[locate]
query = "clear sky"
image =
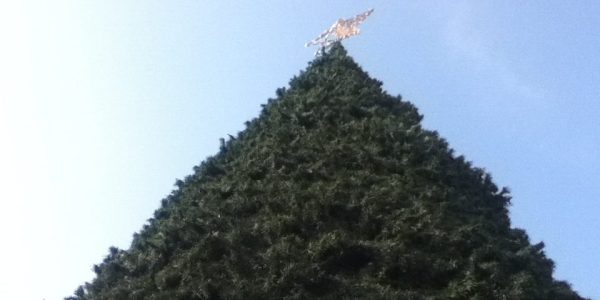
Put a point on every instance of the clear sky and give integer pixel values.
(103, 104)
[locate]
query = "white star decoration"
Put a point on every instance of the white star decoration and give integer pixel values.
(340, 30)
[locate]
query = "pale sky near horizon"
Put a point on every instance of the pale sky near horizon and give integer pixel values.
(104, 104)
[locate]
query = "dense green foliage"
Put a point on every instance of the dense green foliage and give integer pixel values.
(335, 191)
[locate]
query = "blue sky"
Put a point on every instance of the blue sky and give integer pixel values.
(104, 104)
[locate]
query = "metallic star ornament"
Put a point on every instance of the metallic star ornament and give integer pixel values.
(340, 30)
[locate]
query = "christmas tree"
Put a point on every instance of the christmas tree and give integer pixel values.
(335, 191)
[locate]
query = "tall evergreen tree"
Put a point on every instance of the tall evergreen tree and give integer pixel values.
(335, 191)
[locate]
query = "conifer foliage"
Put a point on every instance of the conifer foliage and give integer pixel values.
(334, 192)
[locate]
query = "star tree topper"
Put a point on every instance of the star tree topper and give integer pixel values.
(340, 30)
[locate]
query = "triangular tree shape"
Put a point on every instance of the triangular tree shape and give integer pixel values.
(335, 191)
